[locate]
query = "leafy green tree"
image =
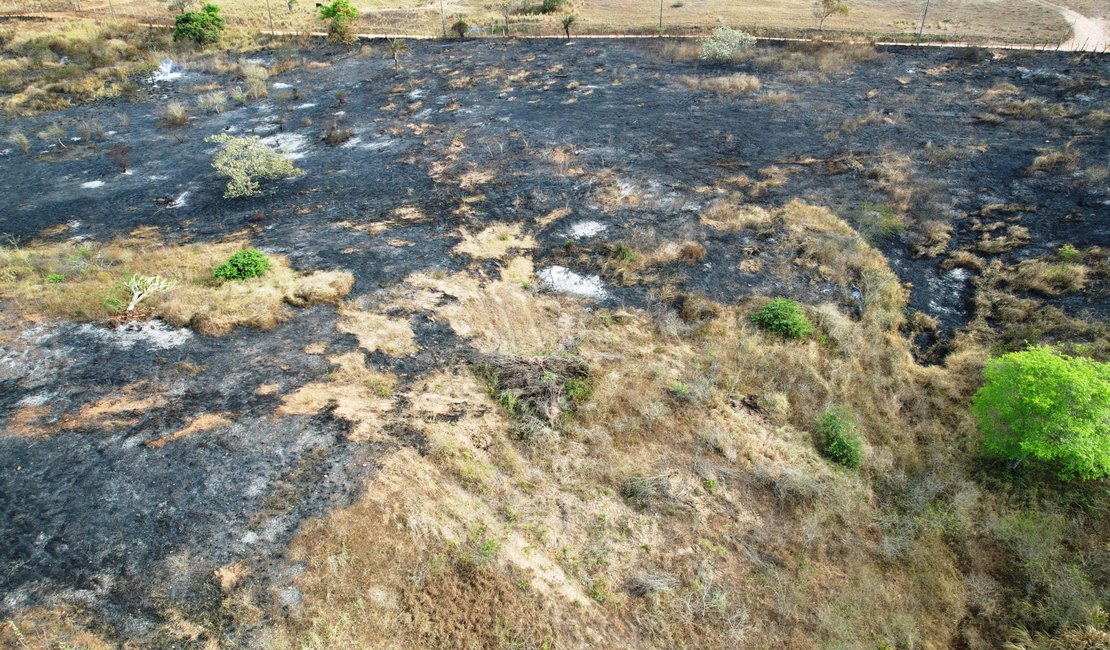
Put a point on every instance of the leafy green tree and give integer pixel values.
(1042, 405)
(837, 439)
(202, 27)
(822, 9)
(342, 14)
(566, 22)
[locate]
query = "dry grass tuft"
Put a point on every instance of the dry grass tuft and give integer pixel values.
(728, 216)
(734, 84)
(1048, 278)
(1055, 160)
(495, 242)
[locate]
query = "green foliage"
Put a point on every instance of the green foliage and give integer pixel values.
(822, 9)
(679, 390)
(878, 221)
(341, 13)
(567, 22)
(725, 44)
(459, 27)
(577, 390)
(247, 263)
(1069, 253)
(783, 316)
(625, 252)
(55, 278)
(1049, 407)
(244, 160)
(202, 27)
(837, 439)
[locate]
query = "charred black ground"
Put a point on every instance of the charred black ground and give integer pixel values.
(94, 516)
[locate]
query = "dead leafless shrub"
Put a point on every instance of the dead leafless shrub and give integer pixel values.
(652, 491)
(648, 584)
(335, 134)
(540, 387)
(120, 155)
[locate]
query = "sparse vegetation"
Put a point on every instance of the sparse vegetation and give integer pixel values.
(726, 44)
(246, 160)
(785, 317)
(175, 114)
(1043, 406)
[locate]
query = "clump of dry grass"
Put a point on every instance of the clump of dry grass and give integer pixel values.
(175, 114)
(352, 392)
(730, 216)
(94, 274)
(1013, 237)
(495, 241)
(1048, 278)
(214, 102)
(1053, 160)
(931, 239)
(734, 84)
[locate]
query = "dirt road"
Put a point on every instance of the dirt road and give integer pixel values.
(1088, 34)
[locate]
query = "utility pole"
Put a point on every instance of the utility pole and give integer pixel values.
(111, 8)
(921, 28)
(443, 19)
(660, 16)
(268, 13)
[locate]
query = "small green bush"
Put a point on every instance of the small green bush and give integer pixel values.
(341, 13)
(202, 27)
(55, 278)
(783, 316)
(1069, 253)
(725, 44)
(837, 439)
(1041, 405)
(247, 263)
(244, 160)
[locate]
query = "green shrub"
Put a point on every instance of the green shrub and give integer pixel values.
(1069, 253)
(783, 316)
(201, 27)
(247, 263)
(1049, 407)
(55, 278)
(244, 160)
(341, 13)
(837, 439)
(725, 44)
(459, 27)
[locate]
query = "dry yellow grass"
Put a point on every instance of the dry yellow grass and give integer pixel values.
(733, 84)
(393, 336)
(203, 422)
(495, 241)
(353, 392)
(94, 274)
(1048, 278)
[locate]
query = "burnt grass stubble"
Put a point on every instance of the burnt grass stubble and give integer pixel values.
(92, 518)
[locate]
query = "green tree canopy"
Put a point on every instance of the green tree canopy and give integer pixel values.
(1040, 404)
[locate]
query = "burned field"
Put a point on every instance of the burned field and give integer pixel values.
(202, 479)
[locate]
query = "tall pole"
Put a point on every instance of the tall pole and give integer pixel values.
(111, 8)
(660, 15)
(443, 19)
(921, 28)
(268, 13)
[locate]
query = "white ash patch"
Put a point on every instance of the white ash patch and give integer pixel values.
(304, 106)
(379, 143)
(586, 229)
(562, 280)
(153, 335)
(37, 399)
(157, 177)
(279, 85)
(167, 71)
(290, 145)
(180, 200)
(92, 185)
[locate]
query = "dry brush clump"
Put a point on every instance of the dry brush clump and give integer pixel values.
(94, 275)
